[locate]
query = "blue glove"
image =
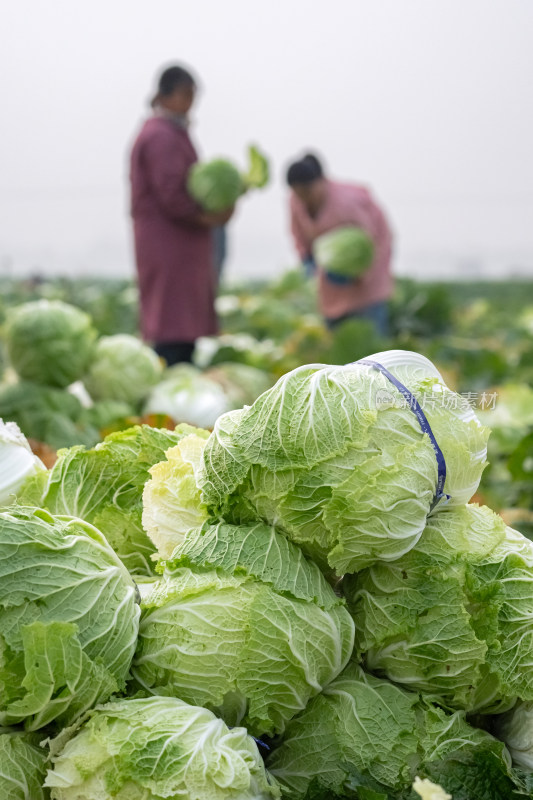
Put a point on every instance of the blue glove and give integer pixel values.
(340, 280)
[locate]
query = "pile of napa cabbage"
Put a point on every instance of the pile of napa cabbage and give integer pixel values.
(312, 573)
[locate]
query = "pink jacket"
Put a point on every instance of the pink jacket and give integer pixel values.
(174, 255)
(346, 204)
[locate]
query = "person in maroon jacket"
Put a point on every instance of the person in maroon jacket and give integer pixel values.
(172, 235)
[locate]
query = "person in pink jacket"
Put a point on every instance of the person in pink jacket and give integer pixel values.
(174, 250)
(319, 205)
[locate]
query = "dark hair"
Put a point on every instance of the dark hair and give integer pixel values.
(307, 170)
(173, 78)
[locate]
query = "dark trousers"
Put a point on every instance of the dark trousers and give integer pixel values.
(174, 352)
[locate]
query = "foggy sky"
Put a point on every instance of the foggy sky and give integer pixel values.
(427, 101)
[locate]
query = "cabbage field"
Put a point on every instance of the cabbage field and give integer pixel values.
(301, 567)
(479, 335)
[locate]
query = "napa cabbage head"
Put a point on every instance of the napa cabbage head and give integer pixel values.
(452, 617)
(216, 185)
(47, 414)
(242, 623)
(366, 737)
(22, 766)
(185, 395)
(148, 749)
(172, 505)
(123, 369)
(17, 462)
(50, 342)
(68, 618)
(347, 251)
(516, 729)
(104, 486)
(336, 459)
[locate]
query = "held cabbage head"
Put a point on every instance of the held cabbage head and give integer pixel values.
(453, 617)
(337, 460)
(346, 252)
(22, 766)
(104, 486)
(216, 185)
(242, 623)
(123, 369)
(68, 619)
(365, 737)
(149, 749)
(50, 342)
